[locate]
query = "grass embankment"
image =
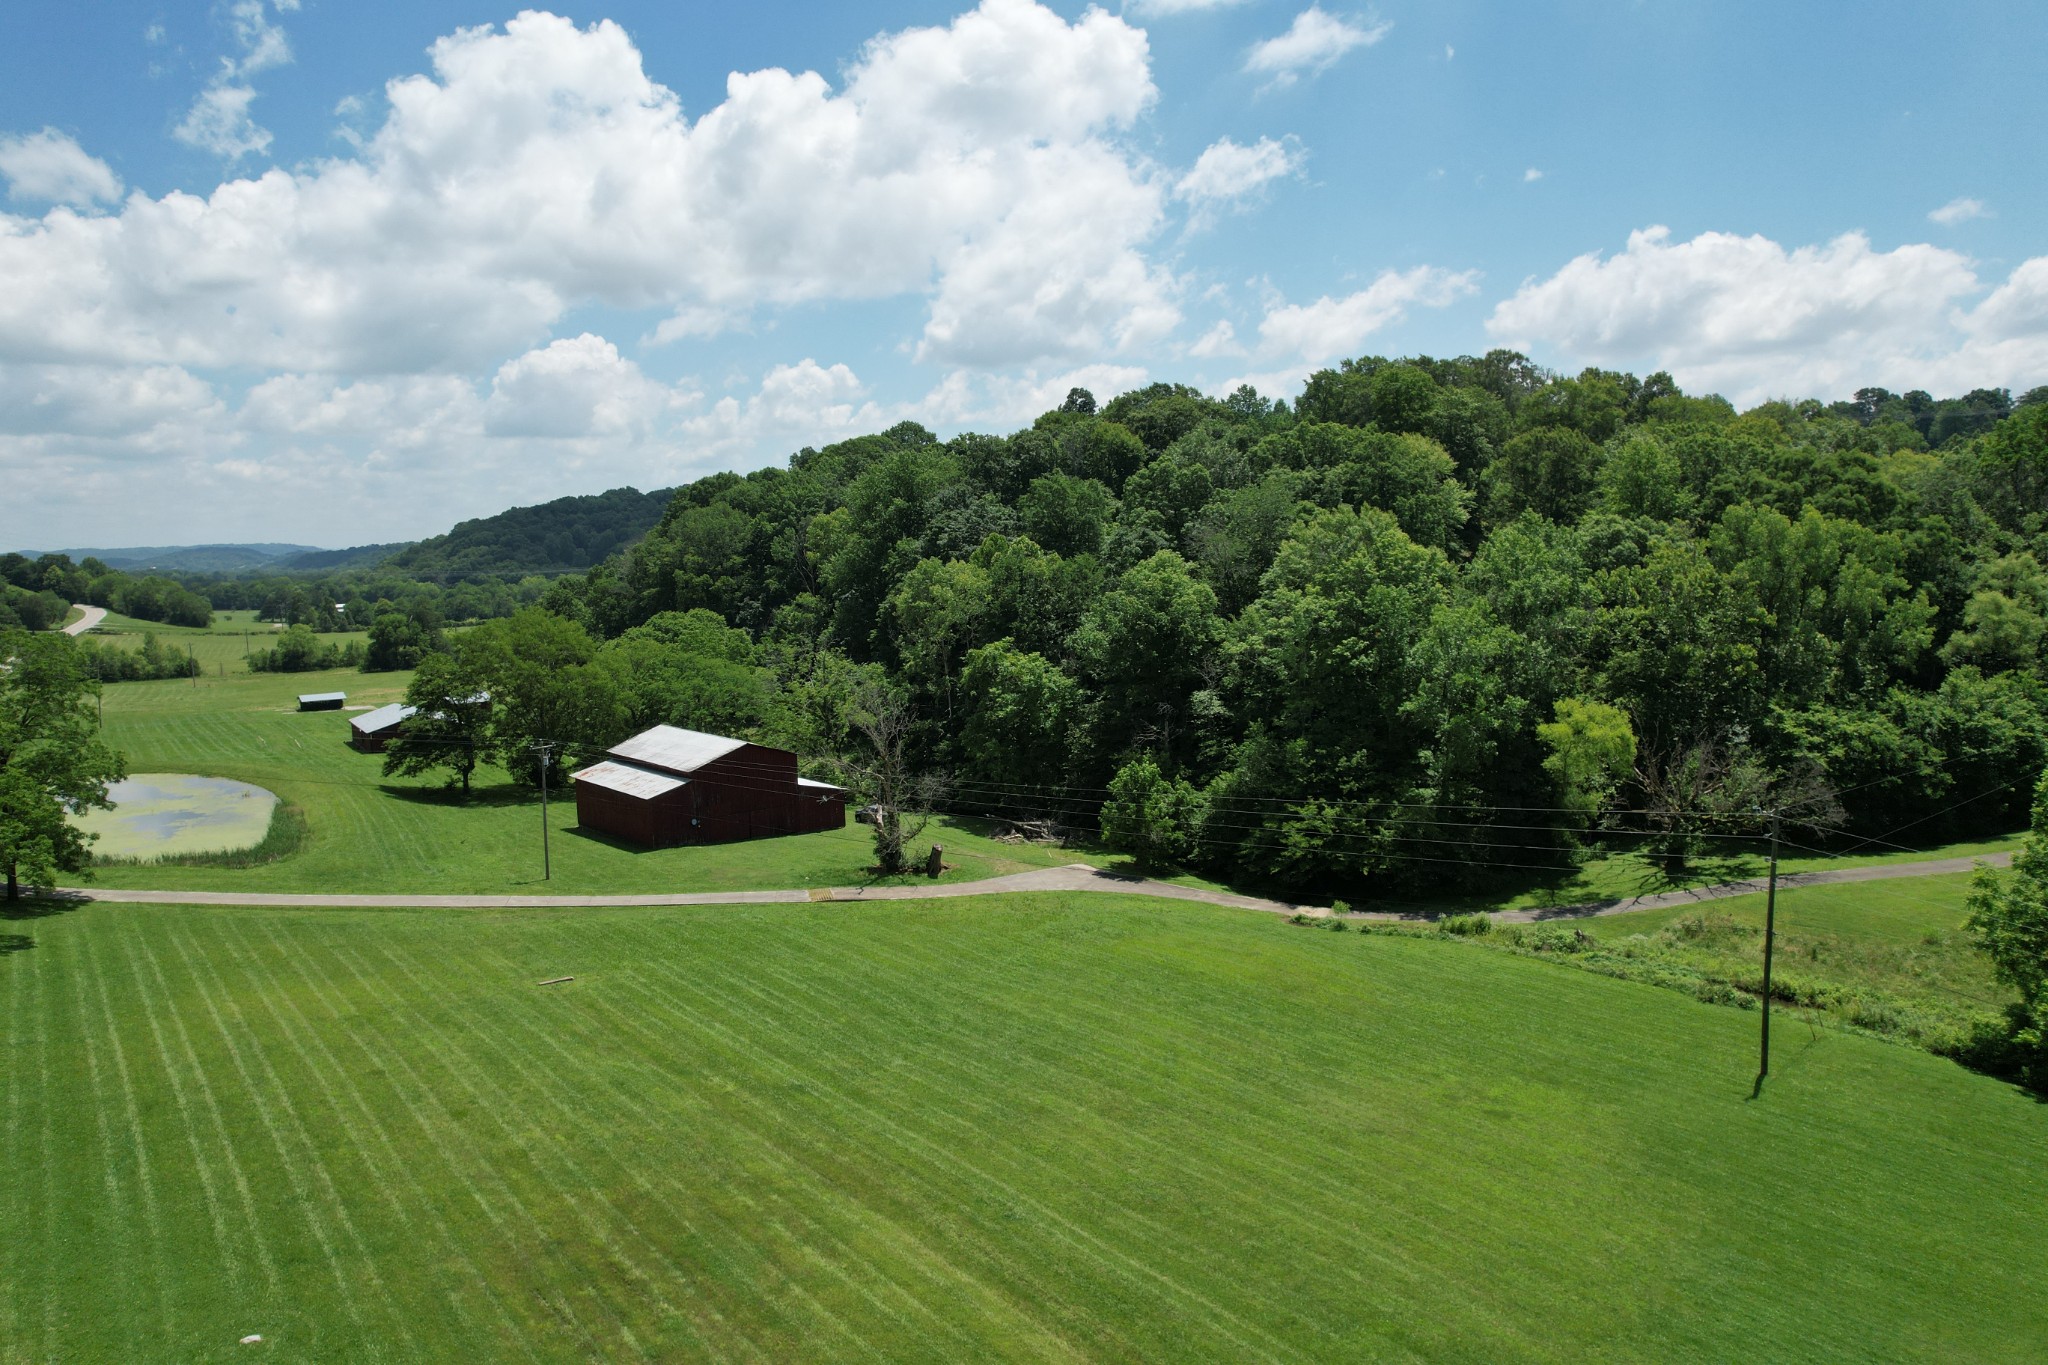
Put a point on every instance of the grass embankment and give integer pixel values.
(366, 832)
(1890, 958)
(1007, 1128)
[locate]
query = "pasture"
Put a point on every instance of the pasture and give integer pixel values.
(1043, 1127)
(372, 833)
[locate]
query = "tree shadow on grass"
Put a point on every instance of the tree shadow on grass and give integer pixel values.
(15, 943)
(502, 794)
(34, 906)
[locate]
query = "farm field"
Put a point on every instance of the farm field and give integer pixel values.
(399, 835)
(220, 648)
(1012, 1127)
(372, 833)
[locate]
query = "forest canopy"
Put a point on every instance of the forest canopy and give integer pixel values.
(1429, 595)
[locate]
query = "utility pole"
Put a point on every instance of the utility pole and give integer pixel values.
(1763, 1067)
(545, 748)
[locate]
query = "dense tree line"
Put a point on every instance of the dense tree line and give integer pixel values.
(55, 578)
(1428, 596)
(552, 537)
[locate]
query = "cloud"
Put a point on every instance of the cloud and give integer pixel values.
(1329, 328)
(1959, 211)
(1311, 45)
(1168, 8)
(50, 166)
(1749, 318)
(539, 168)
(575, 387)
(1220, 340)
(219, 119)
(1531, 175)
(1226, 171)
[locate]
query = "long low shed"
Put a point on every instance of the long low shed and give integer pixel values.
(668, 786)
(372, 730)
(321, 701)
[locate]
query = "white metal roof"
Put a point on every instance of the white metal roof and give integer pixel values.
(323, 696)
(631, 781)
(673, 748)
(812, 784)
(383, 718)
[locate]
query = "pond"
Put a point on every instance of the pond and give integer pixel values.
(159, 813)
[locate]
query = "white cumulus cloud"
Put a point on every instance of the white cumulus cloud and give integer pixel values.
(1334, 327)
(539, 168)
(1227, 170)
(52, 167)
(219, 120)
(1959, 211)
(1312, 44)
(1747, 317)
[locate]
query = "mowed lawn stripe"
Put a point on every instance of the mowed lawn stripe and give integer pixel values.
(916, 1146)
(117, 1217)
(564, 1167)
(313, 1213)
(628, 1092)
(1006, 1042)
(156, 1013)
(536, 1250)
(369, 1139)
(809, 1206)
(221, 1139)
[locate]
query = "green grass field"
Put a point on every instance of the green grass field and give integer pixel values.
(220, 648)
(372, 833)
(1005, 1128)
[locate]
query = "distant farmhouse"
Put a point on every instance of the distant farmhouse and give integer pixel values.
(372, 730)
(669, 786)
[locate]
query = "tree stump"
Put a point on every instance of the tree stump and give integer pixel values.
(934, 862)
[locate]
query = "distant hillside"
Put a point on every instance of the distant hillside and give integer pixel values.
(562, 536)
(190, 558)
(356, 557)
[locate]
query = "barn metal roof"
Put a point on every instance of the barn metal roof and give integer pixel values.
(322, 696)
(813, 785)
(383, 718)
(675, 749)
(629, 781)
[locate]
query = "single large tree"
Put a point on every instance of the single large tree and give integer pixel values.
(53, 763)
(450, 726)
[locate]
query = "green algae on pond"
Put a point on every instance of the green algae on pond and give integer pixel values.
(174, 813)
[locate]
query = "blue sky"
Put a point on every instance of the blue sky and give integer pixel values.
(343, 273)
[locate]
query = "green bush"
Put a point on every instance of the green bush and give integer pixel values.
(1466, 926)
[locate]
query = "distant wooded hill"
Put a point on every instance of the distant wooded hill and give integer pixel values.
(190, 558)
(553, 537)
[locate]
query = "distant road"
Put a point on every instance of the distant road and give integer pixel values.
(93, 616)
(1073, 877)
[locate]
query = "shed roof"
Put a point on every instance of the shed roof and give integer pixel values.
(305, 697)
(383, 718)
(628, 780)
(675, 749)
(811, 784)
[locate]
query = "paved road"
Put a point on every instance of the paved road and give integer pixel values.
(1072, 877)
(93, 616)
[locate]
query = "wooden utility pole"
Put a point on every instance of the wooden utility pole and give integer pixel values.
(545, 748)
(1763, 1066)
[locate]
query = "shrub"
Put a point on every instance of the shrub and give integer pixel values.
(1466, 926)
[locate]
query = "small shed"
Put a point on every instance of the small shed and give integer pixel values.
(372, 730)
(667, 786)
(321, 701)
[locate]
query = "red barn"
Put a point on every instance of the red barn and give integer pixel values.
(669, 786)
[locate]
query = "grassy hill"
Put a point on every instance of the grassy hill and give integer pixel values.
(1012, 1128)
